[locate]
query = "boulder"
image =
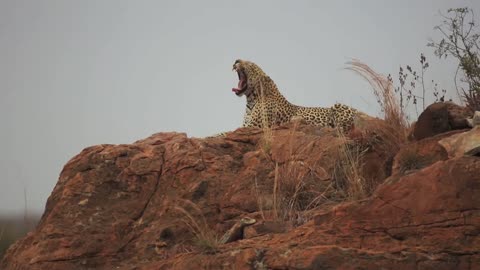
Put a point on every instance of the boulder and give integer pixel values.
(465, 143)
(475, 120)
(439, 118)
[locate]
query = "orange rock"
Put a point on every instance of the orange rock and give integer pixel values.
(126, 206)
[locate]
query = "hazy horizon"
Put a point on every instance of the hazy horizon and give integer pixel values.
(81, 73)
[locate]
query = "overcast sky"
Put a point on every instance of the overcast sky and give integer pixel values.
(80, 73)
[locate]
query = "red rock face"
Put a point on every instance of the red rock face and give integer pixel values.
(422, 153)
(116, 207)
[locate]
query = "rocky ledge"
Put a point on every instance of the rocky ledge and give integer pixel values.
(164, 203)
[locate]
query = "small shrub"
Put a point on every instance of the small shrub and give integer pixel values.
(410, 159)
(461, 39)
(412, 87)
(207, 245)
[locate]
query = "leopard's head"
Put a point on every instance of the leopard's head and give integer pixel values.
(249, 75)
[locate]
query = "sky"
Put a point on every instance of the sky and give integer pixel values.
(80, 73)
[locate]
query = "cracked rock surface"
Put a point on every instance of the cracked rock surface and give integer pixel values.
(114, 207)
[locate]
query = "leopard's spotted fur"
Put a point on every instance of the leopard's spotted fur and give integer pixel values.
(266, 106)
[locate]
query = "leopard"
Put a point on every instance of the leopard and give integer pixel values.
(267, 107)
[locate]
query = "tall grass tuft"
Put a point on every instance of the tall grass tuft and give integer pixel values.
(266, 122)
(295, 188)
(205, 238)
(394, 130)
(348, 169)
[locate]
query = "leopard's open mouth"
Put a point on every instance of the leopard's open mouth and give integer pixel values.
(242, 83)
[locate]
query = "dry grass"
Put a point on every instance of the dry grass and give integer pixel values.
(261, 202)
(267, 138)
(393, 131)
(291, 196)
(387, 136)
(206, 239)
(348, 170)
(410, 159)
(295, 189)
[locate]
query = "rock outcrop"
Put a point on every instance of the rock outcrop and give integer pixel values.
(465, 143)
(475, 120)
(142, 205)
(441, 117)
